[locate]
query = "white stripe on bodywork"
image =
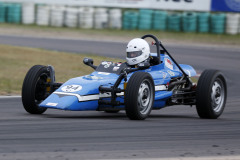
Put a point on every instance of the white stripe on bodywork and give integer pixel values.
(52, 104)
(101, 95)
(88, 97)
(160, 88)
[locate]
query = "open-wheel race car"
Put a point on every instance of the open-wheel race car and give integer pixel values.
(145, 82)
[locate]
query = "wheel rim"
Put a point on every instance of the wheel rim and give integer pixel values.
(217, 95)
(40, 91)
(145, 97)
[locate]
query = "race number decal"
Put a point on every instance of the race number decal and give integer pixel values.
(168, 63)
(71, 88)
(106, 64)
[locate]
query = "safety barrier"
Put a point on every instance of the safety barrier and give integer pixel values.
(14, 13)
(100, 18)
(115, 18)
(71, 17)
(130, 20)
(43, 15)
(145, 19)
(232, 23)
(160, 20)
(218, 23)
(86, 17)
(203, 22)
(189, 22)
(28, 13)
(2, 12)
(174, 22)
(57, 16)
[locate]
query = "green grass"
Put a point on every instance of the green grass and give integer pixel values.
(16, 61)
(203, 38)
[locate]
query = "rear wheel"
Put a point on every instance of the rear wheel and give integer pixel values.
(139, 96)
(211, 94)
(34, 89)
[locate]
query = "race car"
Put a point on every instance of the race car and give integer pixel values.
(145, 82)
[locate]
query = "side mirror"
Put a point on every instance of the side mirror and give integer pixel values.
(89, 62)
(143, 65)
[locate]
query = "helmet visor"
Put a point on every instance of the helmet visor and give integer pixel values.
(134, 54)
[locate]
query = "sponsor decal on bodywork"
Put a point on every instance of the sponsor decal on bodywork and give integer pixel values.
(119, 64)
(93, 77)
(115, 68)
(168, 63)
(164, 74)
(171, 73)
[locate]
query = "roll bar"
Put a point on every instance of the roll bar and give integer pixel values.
(158, 45)
(156, 42)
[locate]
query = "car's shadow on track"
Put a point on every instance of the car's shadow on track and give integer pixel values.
(173, 116)
(114, 116)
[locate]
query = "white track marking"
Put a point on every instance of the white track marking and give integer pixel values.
(9, 97)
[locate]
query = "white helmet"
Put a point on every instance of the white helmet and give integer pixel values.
(137, 50)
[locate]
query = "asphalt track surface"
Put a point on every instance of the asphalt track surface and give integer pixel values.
(175, 132)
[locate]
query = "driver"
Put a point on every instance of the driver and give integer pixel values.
(138, 51)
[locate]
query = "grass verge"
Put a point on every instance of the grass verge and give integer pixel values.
(16, 61)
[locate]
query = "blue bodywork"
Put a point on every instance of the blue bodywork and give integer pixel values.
(82, 93)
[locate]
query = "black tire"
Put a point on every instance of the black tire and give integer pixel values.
(135, 97)
(34, 89)
(211, 94)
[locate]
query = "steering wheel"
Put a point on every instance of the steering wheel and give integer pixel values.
(156, 42)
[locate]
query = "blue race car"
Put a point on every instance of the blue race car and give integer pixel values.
(146, 81)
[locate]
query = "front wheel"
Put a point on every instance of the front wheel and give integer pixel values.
(211, 94)
(34, 89)
(139, 96)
